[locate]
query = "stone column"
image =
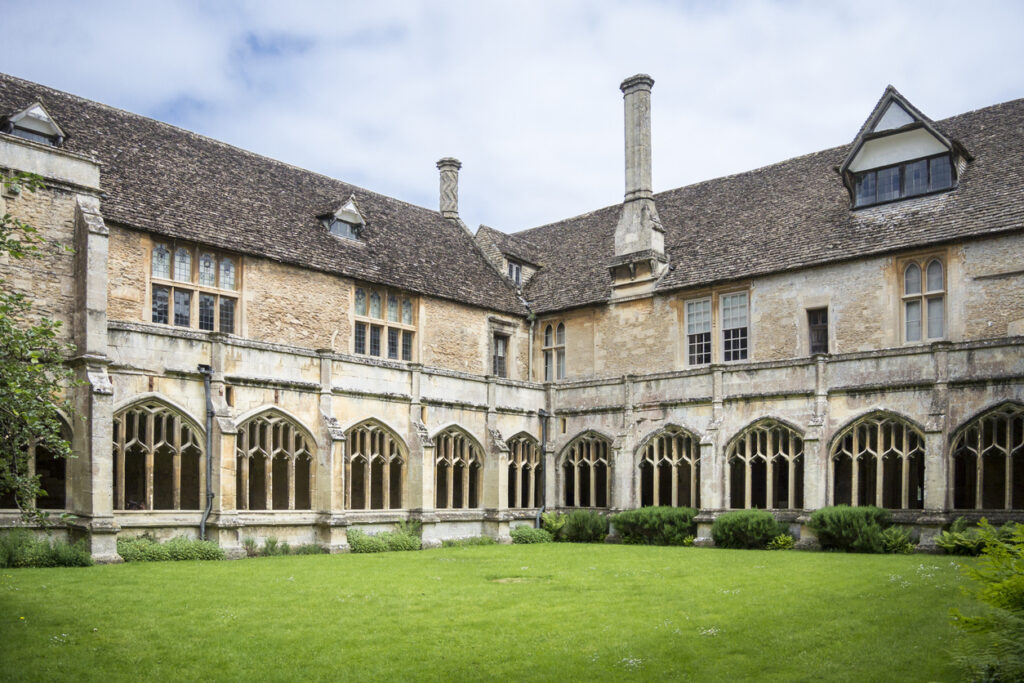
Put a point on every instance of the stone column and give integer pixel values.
(90, 473)
(332, 525)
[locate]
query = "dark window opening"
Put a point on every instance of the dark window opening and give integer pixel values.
(908, 179)
(182, 307)
(161, 304)
(393, 343)
(817, 324)
(499, 365)
(360, 346)
(375, 340)
(227, 315)
(206, 310)
(406, 345)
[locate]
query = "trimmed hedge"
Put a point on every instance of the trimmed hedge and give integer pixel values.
(148, 549)
(662, 525)
(752, 529)
(19, 548)
(851, 529)
(362, 542)
(585, 526)
(527, 534)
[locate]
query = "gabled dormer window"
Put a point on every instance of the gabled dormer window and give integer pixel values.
(35, 124)
(346, 222)
(899, 153)
(515, 272)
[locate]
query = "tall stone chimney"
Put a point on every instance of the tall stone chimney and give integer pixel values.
(639, 237)
(449, 168)
(639, 228)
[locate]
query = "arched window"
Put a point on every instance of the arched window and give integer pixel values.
(374, 468)
(670, 469)
(878, 460)
(766, 467)
(924, 300)
(988, 461)
(157, 459)
(458, 470)
(585, 472)
(52, 473)
(274, 467)
(524, 470)
(161, 262)
(560, 351)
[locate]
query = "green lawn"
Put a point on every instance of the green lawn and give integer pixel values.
(544, 612)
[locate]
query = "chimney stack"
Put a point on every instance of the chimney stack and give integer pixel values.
(639, 230)
(449, 168)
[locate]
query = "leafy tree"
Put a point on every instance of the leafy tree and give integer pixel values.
(33, 375)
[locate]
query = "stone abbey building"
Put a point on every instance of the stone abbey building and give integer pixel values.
(266, 351)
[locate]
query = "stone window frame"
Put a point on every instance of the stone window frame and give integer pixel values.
(746, 345)
(593, 451)
(924, 297)
(676, 450)
(822, 327)
(455, 448)
(191, 285)
(39, 462)
(392, 335)
(703, 357)
(135, 430)
(779, 448)
(994, 440)
(524, 469)
(553, 337)
(895, 437)
(278, 437)
(515, 272)
(370, 443)
(717, 331)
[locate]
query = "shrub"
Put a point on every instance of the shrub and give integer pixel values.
(467, 542)
(688, 541)
(781, 542)
(410, 527)
(361, 542)
(585, 526)
(999, 655)
(527, 534)
(897, 540)
(251, 547)
(851, 529)
(662, 525)
(746, 529)
(395, 540)
(271, 547)
(148, 549)
(553, 522)
(19, 548)
(960, 539)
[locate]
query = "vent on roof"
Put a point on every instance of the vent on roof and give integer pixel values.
(347, 221)
(34, 123)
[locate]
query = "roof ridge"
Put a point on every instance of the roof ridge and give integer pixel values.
(208, 138)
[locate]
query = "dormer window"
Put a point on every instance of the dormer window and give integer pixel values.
(900, 153)
(904, 180)
(515, 272)
(346, 222)
(34, 124)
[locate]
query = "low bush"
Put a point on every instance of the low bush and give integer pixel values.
(252, 549)
(999, 654)
(362, 542)
(396, 540)
(553, 522)
(897, 540)
(273, 548)
(467, 542)
(527, 534)
(308, 549)
(585, 526)
(781, 542)
(851, 529)
(662, 525)
(148, 549)
(19, 548)
(410, 527)
(746, 529)
(961, 539)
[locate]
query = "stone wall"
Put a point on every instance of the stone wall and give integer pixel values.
(993, 305)
(453, 336)
(126, 274)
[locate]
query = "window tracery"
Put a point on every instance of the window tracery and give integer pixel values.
(274, 465)
(585, 463)
(878, 460)
(524, 470)
(374, 469)
(670, 469)
(988, 461)
(458, 470)
(766, 467)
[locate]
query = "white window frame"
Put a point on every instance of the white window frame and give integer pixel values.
(710, 331)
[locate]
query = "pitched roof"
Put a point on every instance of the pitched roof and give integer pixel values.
(512, 246)
(172, 182)
(791, 215)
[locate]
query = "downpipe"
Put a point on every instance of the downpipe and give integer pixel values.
(207, 373)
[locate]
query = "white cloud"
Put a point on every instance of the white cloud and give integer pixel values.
(524, 93)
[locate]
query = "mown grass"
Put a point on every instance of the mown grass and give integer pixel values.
(539, 612)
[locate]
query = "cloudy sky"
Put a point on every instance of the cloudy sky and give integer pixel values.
(524, 93)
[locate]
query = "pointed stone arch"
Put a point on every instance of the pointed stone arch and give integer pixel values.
(525, 465)
(274, 455)
(765, 465)
(157, 451)
(585, 468)
(986, 459)
(878, 458)
(376, 458)
(458, 468)
(51, 470)
(668, 466)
